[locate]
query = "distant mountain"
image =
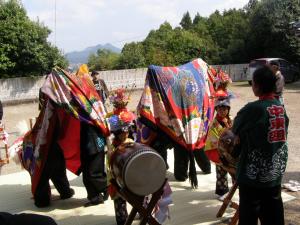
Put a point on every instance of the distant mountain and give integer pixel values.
(79, 57)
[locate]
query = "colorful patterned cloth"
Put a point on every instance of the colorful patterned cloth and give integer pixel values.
(4, 136)
(144, 134)
(72, 94)
(211, 146)
(178, 101)
(78, 96)
(37, 142)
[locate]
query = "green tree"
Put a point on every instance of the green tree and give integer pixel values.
(186, 46)
(251, 5)
(103, 60)
(197, 19)
(260, 29)
(24, 49)
(270, 34)
(229, 32)
(132, 56)
(209, 51)
(186, 21)
(156, 45)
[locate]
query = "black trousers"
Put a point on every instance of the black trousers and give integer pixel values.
(222, 181)
(264, 204)
(25, 218)
(54, 169)
(161, 145)
(202, 161)
(181, 162)
(93, 174)
(121, 213)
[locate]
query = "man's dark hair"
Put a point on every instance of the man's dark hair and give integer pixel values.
(94, 73)
(274, 63)
(264, 78)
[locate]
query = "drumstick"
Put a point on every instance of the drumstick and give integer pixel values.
(109, 146)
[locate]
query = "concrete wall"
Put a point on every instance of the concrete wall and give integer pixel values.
(26, 88)
(121, 78)
(237, 72)
(20, 89)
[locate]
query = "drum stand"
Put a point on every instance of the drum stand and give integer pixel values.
(228, 202)
(137, 201)
(3, 160)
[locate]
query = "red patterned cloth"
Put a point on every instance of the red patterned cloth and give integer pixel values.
(179, 102)
(71, 99)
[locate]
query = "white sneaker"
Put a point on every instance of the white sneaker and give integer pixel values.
(222, 197)
(292, 186)
(287, 185)
(294, 182)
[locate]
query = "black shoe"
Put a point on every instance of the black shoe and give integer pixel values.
(67, 195)
(180, 178)
(105, 195)
(42, 204)
(206, 172)
(94, 201)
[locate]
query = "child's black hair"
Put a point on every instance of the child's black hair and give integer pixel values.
(94, 73)
(265, 79)
(274, 63)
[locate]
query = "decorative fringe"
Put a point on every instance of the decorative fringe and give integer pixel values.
(22, 127)
(192, 171)
(16, 147)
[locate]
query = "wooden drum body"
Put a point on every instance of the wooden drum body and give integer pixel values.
(138, 167)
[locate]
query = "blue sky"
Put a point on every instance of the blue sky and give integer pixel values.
(84, 23)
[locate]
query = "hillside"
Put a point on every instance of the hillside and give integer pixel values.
(79, 57)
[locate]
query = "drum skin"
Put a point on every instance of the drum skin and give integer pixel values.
(225, 150)
(138, 167)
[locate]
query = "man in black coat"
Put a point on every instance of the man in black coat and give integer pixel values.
(92, 145)
(1, 111)
(100, 86)
(25, 218)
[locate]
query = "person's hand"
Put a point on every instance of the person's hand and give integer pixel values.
(109, 153)
(236, 140)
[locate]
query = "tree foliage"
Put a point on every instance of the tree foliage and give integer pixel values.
(24, 49)
(103, 60)
(186, 21)
(132, 56)
(271, 35)
(229, 32)
(262, 28)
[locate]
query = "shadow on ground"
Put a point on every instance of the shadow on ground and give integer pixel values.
(292, 87)
(241, 84)
(16, 198)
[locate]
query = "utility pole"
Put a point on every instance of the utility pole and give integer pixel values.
(55, 22)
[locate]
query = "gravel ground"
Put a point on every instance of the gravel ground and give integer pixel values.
(14, 114)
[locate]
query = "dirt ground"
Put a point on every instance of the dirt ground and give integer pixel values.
(23, 112)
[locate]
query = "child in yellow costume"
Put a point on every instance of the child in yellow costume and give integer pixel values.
(221, 122)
